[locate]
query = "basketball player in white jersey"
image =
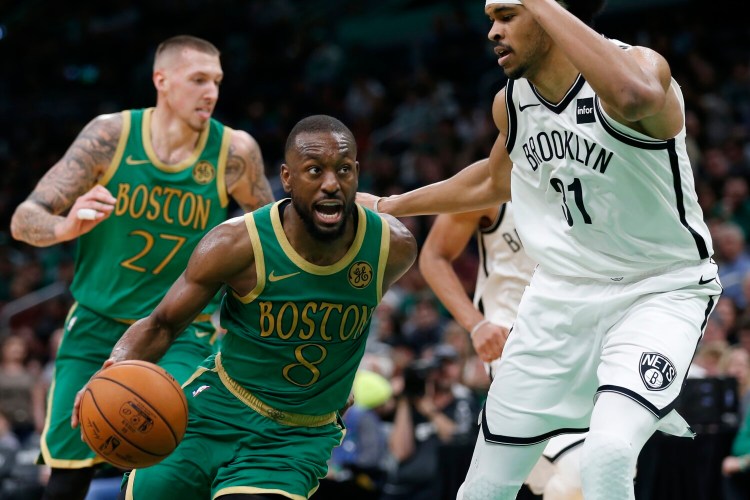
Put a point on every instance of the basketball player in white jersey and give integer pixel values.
(591, 144)
(503, 273)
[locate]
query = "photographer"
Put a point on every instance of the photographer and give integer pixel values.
(434, 429)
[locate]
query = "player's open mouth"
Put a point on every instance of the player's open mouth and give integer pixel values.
(204, 113)
(502, 54)
(329, 211)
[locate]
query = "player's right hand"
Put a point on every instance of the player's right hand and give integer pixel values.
(74, 420)
(489, 341)
(98, 199)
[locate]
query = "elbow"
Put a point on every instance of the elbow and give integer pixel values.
(635, 104)
(16, 227)
(15, 231)
(425, 261)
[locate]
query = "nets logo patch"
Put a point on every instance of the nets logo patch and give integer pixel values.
(585, 110)
(657, 372)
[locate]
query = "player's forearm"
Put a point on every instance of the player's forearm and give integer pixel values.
(470, 189)
(615, 75)
(146, 339)
(33, 224)
(442, 279)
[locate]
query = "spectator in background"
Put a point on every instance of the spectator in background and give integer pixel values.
(736, 467)
(433, 430)
(735, 362)
(16, 386)
(743, 331)
(473, 374)
(733, 260)
(356, 467)
(424, 325)
(707, 362)
(734, 205)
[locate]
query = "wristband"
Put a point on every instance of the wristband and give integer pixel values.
(478, 326)
(375, 205)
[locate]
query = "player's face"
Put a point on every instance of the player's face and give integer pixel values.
(520, 41)
(192, 87)
(321, 175)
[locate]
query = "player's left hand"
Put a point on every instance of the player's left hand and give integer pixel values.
(74, 420)
(489, 341)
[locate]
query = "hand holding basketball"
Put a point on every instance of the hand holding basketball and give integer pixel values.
(132, 413)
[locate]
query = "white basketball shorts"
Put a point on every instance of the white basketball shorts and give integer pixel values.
(575, 338)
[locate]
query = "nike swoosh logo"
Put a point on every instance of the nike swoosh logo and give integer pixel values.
(521, 107)
(272, 277)
(200, 335)
(130, 161)
(703, 282)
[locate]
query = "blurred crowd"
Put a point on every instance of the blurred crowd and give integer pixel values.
(419, 105)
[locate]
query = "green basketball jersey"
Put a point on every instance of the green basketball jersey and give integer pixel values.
(296, 340)
(126, 264)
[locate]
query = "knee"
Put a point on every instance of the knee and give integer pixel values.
(484, 487)
(607, 466)
(606, 450)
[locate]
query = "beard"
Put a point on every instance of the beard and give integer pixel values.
(332, 233)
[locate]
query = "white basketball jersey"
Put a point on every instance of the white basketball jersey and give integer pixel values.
(595, 199)
(504, 269)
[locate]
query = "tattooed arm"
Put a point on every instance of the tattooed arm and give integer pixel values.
(245, 174)
(71, 184)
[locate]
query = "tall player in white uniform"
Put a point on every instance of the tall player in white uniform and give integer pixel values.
(591, 144)
(503, 273)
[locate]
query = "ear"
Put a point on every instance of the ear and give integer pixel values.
(285, 176)
(356, 168)
(160, 81)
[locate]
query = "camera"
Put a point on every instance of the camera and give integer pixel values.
(416, 375)
(417, 372)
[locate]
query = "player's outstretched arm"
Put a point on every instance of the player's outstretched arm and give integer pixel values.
(470, 189)
(224, 255)
(483, 184)
(245, 174)
(70, 185)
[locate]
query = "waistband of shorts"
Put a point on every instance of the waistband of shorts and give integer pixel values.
(626, 279)
(278, 416)
(201, 318)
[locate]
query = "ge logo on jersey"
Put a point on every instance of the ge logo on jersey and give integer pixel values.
(657, 372)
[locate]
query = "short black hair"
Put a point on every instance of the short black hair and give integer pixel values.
(318, 123)
(585, 10)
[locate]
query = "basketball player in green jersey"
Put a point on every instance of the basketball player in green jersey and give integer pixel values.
(303, 277)
(138, 189)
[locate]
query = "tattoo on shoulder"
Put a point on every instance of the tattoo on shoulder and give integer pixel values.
(83, 163)
(248, 167)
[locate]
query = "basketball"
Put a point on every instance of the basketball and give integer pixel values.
(133, 414)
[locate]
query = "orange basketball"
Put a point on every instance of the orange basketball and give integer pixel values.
(133, 414)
